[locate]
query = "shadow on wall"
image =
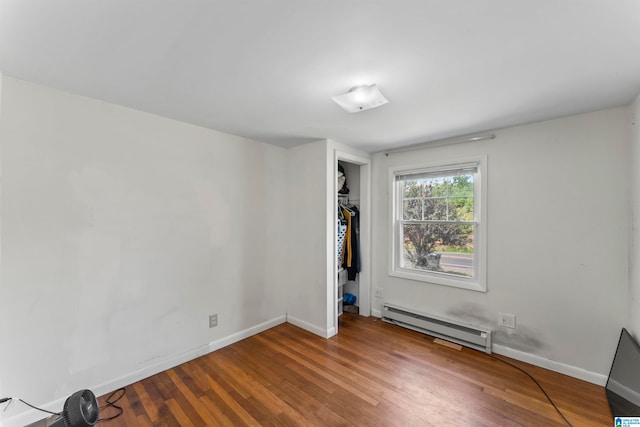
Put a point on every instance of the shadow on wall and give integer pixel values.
(521, 338)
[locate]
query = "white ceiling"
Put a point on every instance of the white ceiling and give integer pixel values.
(266, 69)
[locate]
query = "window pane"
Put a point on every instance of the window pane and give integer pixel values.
(461, 208)
(412, 189)
(436, 187)
(436, 209)
(412, 209)
(462, 185)
(437, 216)
(443, 198)
(445, 248)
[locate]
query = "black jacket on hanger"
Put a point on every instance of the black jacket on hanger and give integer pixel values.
(353, 249)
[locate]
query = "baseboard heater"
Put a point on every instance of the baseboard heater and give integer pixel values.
(459, 333)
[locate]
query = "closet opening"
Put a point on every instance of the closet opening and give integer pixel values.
(352, 219)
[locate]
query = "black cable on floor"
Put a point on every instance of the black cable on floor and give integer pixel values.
(39, 409)
(539, 386)
(111, 403)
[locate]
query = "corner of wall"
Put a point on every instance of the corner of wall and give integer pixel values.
(2, 391)
(1, 84)
(634, 255)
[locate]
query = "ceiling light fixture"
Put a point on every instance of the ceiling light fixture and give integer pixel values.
(360, 98)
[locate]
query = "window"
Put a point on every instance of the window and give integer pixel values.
(437, 230)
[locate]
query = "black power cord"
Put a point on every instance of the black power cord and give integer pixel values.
(10, 399)
(39, 409)
(539, 386)
(111, 403)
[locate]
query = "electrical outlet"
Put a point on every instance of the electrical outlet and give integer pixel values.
(213, 320)
(507, 320)
(379, 293)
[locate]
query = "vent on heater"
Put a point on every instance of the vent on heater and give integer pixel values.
(466, 335)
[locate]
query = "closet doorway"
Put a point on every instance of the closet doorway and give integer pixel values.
(352, 291)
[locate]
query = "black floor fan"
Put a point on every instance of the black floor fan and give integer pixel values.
(80, 410)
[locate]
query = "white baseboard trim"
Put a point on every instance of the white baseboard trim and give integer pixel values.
(376, 313)
(572, 371)
(239, 336)
(623, 390)
(324, 333)
(28, 416)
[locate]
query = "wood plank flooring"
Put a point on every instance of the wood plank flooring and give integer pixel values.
(370, 374)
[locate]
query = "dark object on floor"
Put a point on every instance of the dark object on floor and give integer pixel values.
(623, 384)
(350, 308)
(349, 298)
(80, 410)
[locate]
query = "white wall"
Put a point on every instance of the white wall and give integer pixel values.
(634, 283)
(311, 214)
(307, 301)
(558, 225)
(122, 232)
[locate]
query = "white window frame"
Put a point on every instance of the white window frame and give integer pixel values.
(479, 281)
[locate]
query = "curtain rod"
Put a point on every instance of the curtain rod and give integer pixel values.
(441, 142)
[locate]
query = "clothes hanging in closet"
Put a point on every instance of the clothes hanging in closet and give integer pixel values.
(342, 231)
(351, 250)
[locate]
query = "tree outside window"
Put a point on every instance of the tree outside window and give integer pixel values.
(437, 229)
(438, 219)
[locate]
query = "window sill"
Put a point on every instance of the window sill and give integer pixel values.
(437, 279)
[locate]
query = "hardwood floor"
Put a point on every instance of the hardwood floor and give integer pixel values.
(370, 374)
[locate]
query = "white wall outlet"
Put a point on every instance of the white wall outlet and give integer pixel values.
(379, 293)
(507, 320)
(213, 320)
